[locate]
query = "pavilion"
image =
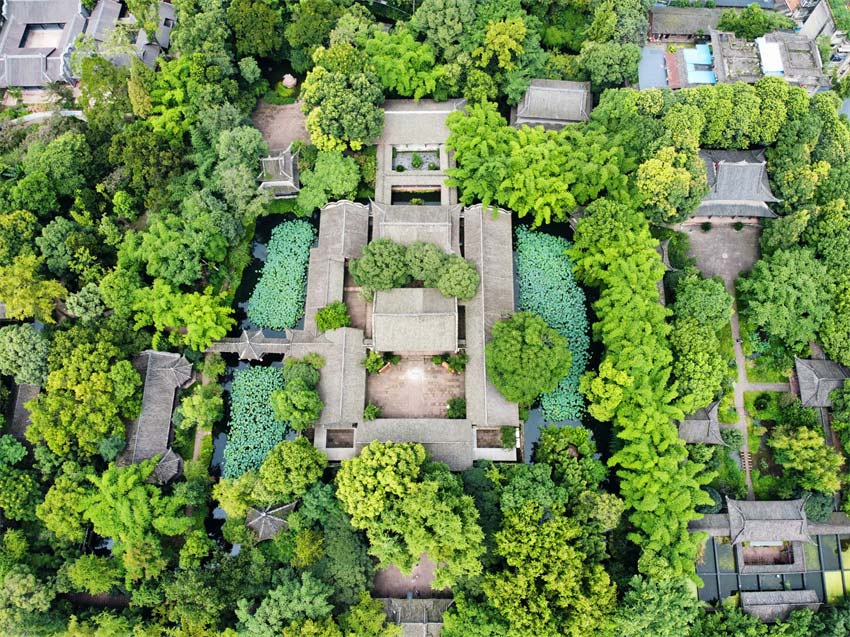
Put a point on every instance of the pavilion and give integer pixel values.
(553, 104)
(738, 185)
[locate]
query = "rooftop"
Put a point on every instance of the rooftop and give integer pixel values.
(683, 21)
(767, 521)
(408, 122)
(269, 521)
(280, 174)
(414, 320)
(449, 441)
(738, 184)
(817, 379)
(771, 606)
(553, 104)
(702, 427)
(406, 224)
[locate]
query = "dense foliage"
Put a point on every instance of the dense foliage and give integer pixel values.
(277, 301)
(253, 429)
(548, 289)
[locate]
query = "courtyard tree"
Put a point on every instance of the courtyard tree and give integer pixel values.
(383, 266)
(298, 403)
(809, 463)
(334, 176)
(409, 507)
(23, 354)
(704, 300)
(425, 262)
(458, 278)
(525, 357)
(257, 27)
(333, 316)
(26, 293)
(290, 469)
(657, 607)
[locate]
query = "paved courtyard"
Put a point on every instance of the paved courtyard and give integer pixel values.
(723, 251)
(280, 125)
(415, 388)
(391, 582)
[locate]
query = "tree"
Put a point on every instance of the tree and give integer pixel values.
(137, 516)
(19, 492)
(293, 599)
(834, 332)
(334, 176)
(257, 27)
(383, 266)
(704, 300)
(17, 233)
(65, 503)
(425, 262)
(442, 24)
(103, 95)
(202, 408)
(525, 357)
(671, 184)
(368, 619)
(65, 161)
(93, 574)
(503, 42)
(26, 293)
(811, 464)
(22, 597)
(23, 354)
(609, 64)
(290, 469)
(86, 304)
(333, 316)
(787, 295)
(409, 507)
(343, 111)
(458, 278)
(753, 22)
(698, 367)
(404, 65)
(298, 404)
(311, 23)
(661, 608)
(86, 400)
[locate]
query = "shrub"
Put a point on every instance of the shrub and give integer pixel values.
(373, 362)
(371, 412)
(705, 226)
(738, 226)
(509, 437)
(547, 288)
(432, 165)
(456, 408)
(715, 506)
(417, 201)
(455, 362)
(333, 316)
(253, 430)
(399, 168)
(416, 161)
(277, 301)
(458, 278)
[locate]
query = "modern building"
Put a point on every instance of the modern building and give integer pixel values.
(738, 185)
(817, 379)
(553, 104)
(702, 427)
(150, 434)
(781, 53)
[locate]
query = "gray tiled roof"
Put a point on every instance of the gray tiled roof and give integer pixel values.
(488, 243)
(414, 320)
(280, 173)
(703, 426)
(269, 521)
(164, 373)
(554, 103)
(408, 122)
(767, 521)
(683, 20)
(817, 379)
(19, 420)
(103, 19)
(343, 229)
(448, 441)
(417, 617)
(771, 606)
(406, 224)
(738, 184)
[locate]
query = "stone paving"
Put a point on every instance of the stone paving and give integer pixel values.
(728, 253)
(391, 582)
(280, 125)
(415, 388)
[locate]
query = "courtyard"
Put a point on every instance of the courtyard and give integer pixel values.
(414, 388)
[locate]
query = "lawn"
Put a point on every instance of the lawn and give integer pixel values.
(759, 372)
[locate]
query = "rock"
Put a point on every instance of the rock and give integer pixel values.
(289, 81)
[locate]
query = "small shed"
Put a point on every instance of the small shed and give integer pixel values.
(703, 426)
(817, 379)
(414, 320)
(280, 174)
(269, 521)
(768, 521)
(553, 104)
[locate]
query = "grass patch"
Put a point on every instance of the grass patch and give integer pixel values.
(759, 371)
(726, 412)
(763, 405)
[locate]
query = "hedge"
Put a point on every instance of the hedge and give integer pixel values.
(547, 288)
(278, 300)
(253, 430)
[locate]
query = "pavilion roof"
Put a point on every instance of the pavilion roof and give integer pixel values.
(767, 521)
(817, 379)
(269, 521)
(414, 320)
(703, 426)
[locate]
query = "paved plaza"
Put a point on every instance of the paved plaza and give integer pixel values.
(415, 388)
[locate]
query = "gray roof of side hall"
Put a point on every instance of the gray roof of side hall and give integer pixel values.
(554, 103)
(37, 66)
(417, 617)
(448, 441)
(738, 185)
(342, 382)
(164, 373)
(103, 19)
(683, 20)
(817, 379)
(343, 229)
(408, 122)
(771, 606)
(406, 224)
(488, 244)
(414, 320)
(703, 426)
(767, 521)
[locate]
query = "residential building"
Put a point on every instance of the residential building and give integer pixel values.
(682, 23)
